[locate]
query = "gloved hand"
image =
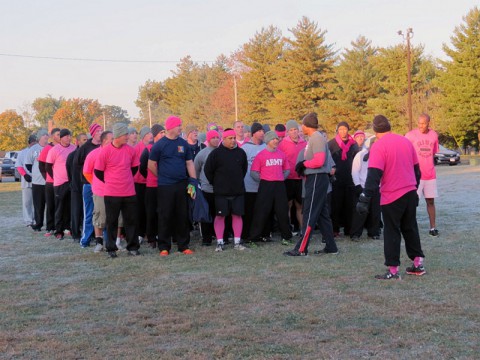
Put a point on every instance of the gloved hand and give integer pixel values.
(358, 190)
(191, 191)
(300, 168)
(27, 177)
(363, 204)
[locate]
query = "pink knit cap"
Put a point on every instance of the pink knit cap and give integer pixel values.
(211, 134)
(172, 122)
(357, 133)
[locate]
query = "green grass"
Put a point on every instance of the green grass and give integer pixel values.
(61, 301)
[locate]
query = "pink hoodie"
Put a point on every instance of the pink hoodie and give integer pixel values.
(291, 150)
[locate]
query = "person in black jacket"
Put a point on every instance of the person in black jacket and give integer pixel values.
(343, 149)
(225, 169)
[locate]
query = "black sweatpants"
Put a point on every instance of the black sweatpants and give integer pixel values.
(400, 218)
(151, 213)
(50, 202)
(173, 219)
(248, 217)
(141, 216)
(128, 206)
(315, 211)
(343, 204)
(272, 195)
(207, 229)
(38, 195)
(371, 220)
(62, 207)
(76, 209)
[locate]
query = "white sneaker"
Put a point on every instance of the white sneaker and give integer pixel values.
(239, 247)
(98, 248)
(119, 244)
(140, 240)
(219, 248)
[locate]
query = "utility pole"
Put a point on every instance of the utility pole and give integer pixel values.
(235, 94)
(150, 112)
(407, 36)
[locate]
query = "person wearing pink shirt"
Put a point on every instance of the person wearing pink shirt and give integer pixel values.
(56, 166)
(270, 167)
(99, 216)
(425, 142)
(291, 146)
(393, 165)
(141, 183)
(158, 132)
(116, 166)
(49, 193)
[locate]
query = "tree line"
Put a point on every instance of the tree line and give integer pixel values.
(278, 77)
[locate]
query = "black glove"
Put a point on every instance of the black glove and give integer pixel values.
(300, 168)
(27, 178)
(363, 204)
(358, 190)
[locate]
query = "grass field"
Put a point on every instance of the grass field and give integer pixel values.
(59, 301)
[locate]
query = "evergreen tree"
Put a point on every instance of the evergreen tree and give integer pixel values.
(358, 81)
(304, 76)
(256, 91)
(460, 82)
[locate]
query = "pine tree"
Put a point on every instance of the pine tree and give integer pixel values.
(358, 81)
(460, 82)
(304, 76)
(259, 57)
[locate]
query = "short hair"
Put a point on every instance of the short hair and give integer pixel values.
(54, 130)
(104, 135)
(79, 136)
(425, 116)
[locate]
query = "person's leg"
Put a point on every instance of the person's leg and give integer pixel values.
(182, 221)
(27, 206)
(207, 229)
(112, 210)
(38, 195)
(350, 203)
(262, 209)
(337, 204)
(87, 226)
(141, 226)
(50, 203)
(165, 206)
(151, 215)
(248, 216)
(66, 200)
(409, 228)
(58, 191)
(358, 222)
(129, 211)
(431, 212)
(76, 208)
(373, 219)
(281, 209)
(392, 215)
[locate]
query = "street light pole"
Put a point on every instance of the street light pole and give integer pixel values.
(150, 113)
(407, 36)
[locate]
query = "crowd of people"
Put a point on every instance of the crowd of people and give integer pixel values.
(139, 186)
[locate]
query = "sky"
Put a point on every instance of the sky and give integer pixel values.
(166, 31)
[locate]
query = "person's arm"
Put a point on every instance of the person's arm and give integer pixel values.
(153, 167)
(255, 175)
(49, 169)
(144, 163)
(356, 167)
(191, 169)
(100, 174)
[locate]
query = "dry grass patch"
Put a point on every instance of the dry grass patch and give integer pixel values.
(61, 301)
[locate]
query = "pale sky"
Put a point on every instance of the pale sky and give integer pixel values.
(170, 30)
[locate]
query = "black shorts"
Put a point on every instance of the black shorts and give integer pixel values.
(228, 205)
(294, 190)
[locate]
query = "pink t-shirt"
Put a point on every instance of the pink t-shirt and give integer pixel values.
(291, 149)
(98, 187)
(152, 180)
(426, 145)
(270, 165)
(396, 157)
(58, 157)
(138, 178)
(43, 158)
(117, 163)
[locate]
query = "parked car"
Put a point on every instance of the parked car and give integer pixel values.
(446, 156)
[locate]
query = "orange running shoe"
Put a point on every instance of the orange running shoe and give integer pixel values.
(164, 253)
(187, 252)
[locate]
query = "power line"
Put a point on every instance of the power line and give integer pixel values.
(98, 60)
